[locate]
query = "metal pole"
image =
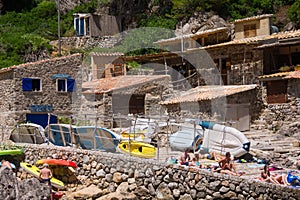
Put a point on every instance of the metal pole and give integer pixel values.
(49, 115)
(58, 27)
(194, 147)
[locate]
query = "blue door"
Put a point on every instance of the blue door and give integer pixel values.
(41, 119)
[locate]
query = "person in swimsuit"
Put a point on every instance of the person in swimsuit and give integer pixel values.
(185, 158)
(228, 166)
(45, 174)
(5, 163)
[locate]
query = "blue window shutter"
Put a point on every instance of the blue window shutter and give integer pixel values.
(26, 84)
(70, 85)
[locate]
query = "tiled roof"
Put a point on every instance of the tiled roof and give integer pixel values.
(202, 93)
(200, 33)
(253, 18)
(252, 40)
(294, 74)
(105, 85)
(280, 75)
(276, 75)
(3, 70)
(106, 54)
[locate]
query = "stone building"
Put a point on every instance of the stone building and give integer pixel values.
(256, 52)
(124, 95)
(32, 90)
(110, 91)
(96, 25)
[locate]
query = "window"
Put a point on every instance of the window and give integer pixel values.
(65, 85)
(249, 30)
(31, 84)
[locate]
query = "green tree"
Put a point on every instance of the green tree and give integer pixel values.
(294, 12)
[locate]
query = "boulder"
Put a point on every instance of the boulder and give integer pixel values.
(91, 192)
(11, 188)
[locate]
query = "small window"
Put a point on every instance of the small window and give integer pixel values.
(31, 84)
(65, 85)
(249, 30)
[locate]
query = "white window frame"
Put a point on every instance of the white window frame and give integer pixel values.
(40, 84)
(66, 86)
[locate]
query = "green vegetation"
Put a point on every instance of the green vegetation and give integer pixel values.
(27, 26)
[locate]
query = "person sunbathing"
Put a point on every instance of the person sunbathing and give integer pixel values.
(185, 158)
(227, 166)
(266, 175)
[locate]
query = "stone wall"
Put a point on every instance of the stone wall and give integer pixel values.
(283, 117)
(205, 109)
(150, 179)
(87, 42)
(246, 63)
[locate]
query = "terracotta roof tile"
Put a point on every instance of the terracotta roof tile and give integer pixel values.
(37, 62)
(202, 93)
(282, 75)
(120, 82)
(106, 54)
(253, 18)
(294, 74)
(276, 75)
(190, 36)
(252, 40)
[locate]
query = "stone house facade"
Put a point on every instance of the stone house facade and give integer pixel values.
(112, 97)
(256, 50)
(32, 90)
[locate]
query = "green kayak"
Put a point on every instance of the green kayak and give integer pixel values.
(11, 152)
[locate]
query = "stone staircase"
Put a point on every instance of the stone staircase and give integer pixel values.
(274, 147)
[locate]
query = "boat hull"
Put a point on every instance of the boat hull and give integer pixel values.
(138, 149)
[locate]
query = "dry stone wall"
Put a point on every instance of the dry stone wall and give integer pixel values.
(150, 179)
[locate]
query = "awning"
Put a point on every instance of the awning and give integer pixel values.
(58, 76)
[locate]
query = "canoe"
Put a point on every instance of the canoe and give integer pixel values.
(137, 132)
(98, 138)
(35, 171)
(28, 133)
(185, 138)
(57, 162)
(11, 152)
(221, 139)
(62, 134)
(136, 136)
(138, 149)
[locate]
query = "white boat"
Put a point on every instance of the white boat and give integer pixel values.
(187, 137)
(221, 139)
(28, 133)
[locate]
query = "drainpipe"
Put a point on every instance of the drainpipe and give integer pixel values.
(244, 61)
(58, 27)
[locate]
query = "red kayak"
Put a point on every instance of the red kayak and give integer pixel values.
(57, 162)
(57, 195)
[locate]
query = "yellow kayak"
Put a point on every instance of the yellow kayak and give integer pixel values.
(126, 135)
(138, 149)
(35, 171)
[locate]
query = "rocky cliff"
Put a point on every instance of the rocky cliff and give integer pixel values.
(29, 189)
